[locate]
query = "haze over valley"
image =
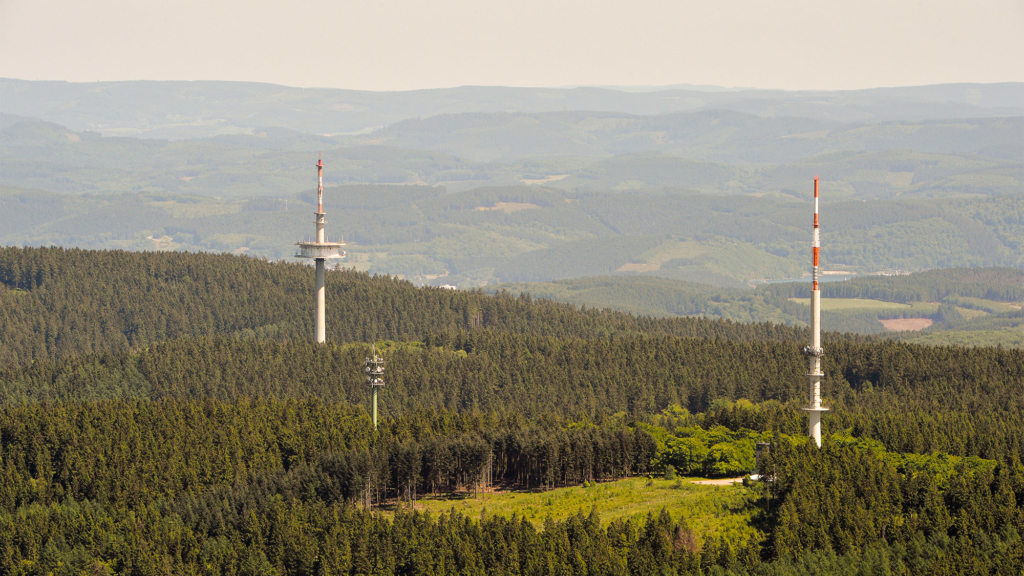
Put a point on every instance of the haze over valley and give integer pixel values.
(483, 186)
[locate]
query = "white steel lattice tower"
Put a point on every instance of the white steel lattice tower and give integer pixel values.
(814, 352)
(320, 250)
(374, 368)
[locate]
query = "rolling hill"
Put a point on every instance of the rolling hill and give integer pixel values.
(276, 162)
(197, 109)
(711, 135)
(528, 233)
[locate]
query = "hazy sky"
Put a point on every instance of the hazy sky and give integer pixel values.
(408, 44)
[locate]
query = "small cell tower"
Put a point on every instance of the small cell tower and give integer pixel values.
(320, 250)
(374, 368)
(814, 352)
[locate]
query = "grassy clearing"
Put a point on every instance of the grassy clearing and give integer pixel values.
(970, 314)
(198, 207)
(989, 306)
(906, 324)
(864, 304)
(709, 510)
(673, 249)
(1009, 338)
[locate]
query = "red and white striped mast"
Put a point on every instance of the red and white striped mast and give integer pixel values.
(814, 352)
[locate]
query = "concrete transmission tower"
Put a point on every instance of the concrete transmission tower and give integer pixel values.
(320, 250)
(374, 368)
(814, 352)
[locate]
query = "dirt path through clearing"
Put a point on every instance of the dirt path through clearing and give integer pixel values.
(719, 481)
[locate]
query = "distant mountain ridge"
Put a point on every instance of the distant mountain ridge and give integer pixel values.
(711, 151)
(708, 135)
(205, 108)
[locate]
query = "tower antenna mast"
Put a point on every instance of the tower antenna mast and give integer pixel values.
(814, 352)
(374, 368)
(320, 250)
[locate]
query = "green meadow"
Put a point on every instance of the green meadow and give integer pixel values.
(828, 304)
(708, 510)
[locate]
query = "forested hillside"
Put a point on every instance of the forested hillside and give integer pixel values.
(56, 302)
(168, 412)
(580, 379)
(265, 484)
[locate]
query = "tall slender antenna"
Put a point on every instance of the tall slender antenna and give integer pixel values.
(319, 183)
(814, 352)
(815, 238)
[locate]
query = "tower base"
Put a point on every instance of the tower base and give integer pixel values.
(814, 423)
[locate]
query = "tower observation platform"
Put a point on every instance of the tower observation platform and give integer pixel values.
(320, 250)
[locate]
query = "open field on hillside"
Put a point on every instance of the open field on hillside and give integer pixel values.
(828, 304)
(1010, 338)
(932, 301)
(911, 324)
(709, 510)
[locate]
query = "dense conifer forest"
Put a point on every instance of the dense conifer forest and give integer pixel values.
(56, 302)
(167, 413)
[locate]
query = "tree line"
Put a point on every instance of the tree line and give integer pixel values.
(225, 445)
(537, 374)
(130, 453)
(850, 495)
(58, 302)
(268, 487)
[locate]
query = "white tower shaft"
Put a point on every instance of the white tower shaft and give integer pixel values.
(321, 301)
